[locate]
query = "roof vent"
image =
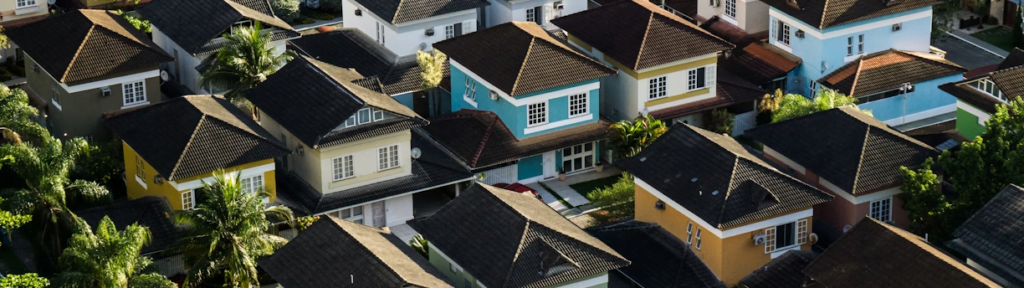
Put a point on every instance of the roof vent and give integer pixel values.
(694, 179)
(714, 192)
(642, 159)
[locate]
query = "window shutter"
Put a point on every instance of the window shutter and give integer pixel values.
(769, 240)
(548, 13)
(468, 26)
(801, 231)
(709, 76)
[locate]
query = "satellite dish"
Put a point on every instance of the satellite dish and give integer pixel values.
(423, 46)
(163, 73)
(416, 153)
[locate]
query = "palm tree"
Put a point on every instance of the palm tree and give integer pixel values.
(15, 113)
(243, 62)
(227, 231)
(109, 259)
(793, 105)
(629, 137)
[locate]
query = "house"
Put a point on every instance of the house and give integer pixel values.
(90, 62)
(491, 237)
(369, 257)
(540, 12)
(872, 254)
(153, 212)
(898, 87)
(356, 155)
(399, 75)
(657, 258)
(407, 26)
(191, 31)
(663, 60)
(170, 148)
(990, 238)
(521, 95)
(978, 96)
(735, 210)
(830, 34)
(20, 12)
(753, 60)
(749, 16)
(850, 155)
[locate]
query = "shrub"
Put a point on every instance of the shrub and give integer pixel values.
(100, 163)
(721, 121)
(305, 222)
(617, 199)
(331, 5)
(287, 10)
(4, 74)
(319, 15)
(420, 244)
(139, 23)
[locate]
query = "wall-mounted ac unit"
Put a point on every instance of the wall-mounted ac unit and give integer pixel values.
(799, 33)
(759, 239)
(105, 91)
(35, 67)
(897, 27)
(359, 12)
(660, 205)
(429, 32)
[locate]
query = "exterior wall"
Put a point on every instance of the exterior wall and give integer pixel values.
(9, 11)
(139, 187)
(406, 99)
(79, 113)
(751, 15)
(531, 167)
(461, 278)
(926, 101)
(502, 11)
(970, 121)
(365, 159)
(406, 38)
(184, 69)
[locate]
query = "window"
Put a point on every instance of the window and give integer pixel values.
(465, 93)
(780, 237)
(134, 92)
(449, 32)
(252, 184)
(531, 15)
(801, 231)
(658, 87)
(188, 200)
(698, 239)
(850, 44)
(782, 32)
(986, 85)
(883, 95)
(537, 114)
(354, 214)
(364, 116)
(730, 9)
(378, 114)
(578, 105)
(472, 91)
(343, 167)
(55, 97)
(387, 157)
(689, 232)
(26, 3)
(140, 168)
(578, 157)
(881, 210)
(380, 32)
(695, 79)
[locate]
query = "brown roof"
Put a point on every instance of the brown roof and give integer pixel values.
(887, 70)
(822, 14)
(1008, 76)
(972, 96)
(759, 62)
(84, 45)
(640, 35)
(521, 58)
(730, 90)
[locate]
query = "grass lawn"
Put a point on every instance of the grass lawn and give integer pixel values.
(584, 188)
(999, 36)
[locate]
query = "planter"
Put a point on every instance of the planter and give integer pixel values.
(599, 167)
(561, 176)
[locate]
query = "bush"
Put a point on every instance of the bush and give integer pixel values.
(331, 5)
(721, 121)
(319, 15)
(616, 199)
(101, 163)
(139, 23)
(287, 10)
(4, 74)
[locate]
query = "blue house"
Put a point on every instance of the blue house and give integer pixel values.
(526, 104)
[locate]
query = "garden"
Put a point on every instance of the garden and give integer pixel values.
(298, 12)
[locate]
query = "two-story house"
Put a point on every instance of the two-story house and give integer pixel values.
(355, 154)
(536, 11)
(656, 257)
(492, 237)
(990, 239)
(407, 26)
(850, 155)
(735, 210)
(170, 148)
(978, 96)
(664, 61)
(86, 63)
(526, 104)
(750, 16)
(399, 75)
(191, 30)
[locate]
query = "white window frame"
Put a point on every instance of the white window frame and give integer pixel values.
(658, 87)
(537, 107)
(188, 199)
(377, 114)
(730, 4)
(583, 154)
(984, 84)
(25, 3)
(850, 42)
(369, 116)
(771, 238)
(783, 39)
(343, 167)
(697, 245)
(361, 218)
(472, 91)
(251, 183)
(692, 81)
(802, 230)
(131, 91)
(449, 31)
(531, 15)
(884, 210)
(579, 105)
(55, 97)
(387, 157)
(689, 233)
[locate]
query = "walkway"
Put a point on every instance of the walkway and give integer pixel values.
(404, 232)
(577, 202)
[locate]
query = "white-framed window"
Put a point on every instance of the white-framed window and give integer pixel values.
(364, 116)
(252, 184)
(188, 200)
(380, 32)
(781, 32)
(25, 3)
(140, 167)
(781, 237)
(344, 167)
(730, 9)
(55, 96)
(881, 209)
(387, 157)
(578, 157)
(658, 87)
(465, 93)
(855, 42)
(986, 85)
(449, 31)
(813, 86)
(531, 15)
(134, 92)
(354, 214)
(537, 114)
(378, 114)
(578, 105)
(472, 91)
(696, 78)
(689, 232)
(698, 239)
(801, 231)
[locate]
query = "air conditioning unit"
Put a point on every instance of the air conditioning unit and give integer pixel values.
(660, 205)
(429, 32)
(35, 67)
(759, 239)
(558, 5)
(158, 179)
(800, 34)
(715, 3)
(359, 12)
(105, 91)
(897, 27)
(494, 96)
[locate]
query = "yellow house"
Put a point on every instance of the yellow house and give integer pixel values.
(171, 147)
(735, 210)
(664, 61)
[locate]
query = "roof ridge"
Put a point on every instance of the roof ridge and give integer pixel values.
(643, 42)
(728, 191)
(523, 66)
(397, 10)
(856, 75)
(824, 9)
(187, 144)
(864, 146)
(64, 74)
(483, 141)
(364, 246)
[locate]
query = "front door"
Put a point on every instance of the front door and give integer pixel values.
(379, 213)
(549, 165)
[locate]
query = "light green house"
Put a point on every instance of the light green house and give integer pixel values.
(979, 95)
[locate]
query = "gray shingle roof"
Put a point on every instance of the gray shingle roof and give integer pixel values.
(783, 271)
(85, 45)
(401, 11)
(195, 24)
(822, 14)
(657, 258)
(716, 178)
(152, 212)
(194, 135)
(888, 70)
(333, 252)
(508, 239)
(995, 233)
(850, 149)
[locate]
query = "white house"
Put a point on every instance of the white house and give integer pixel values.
(537, 11)
(406, 26)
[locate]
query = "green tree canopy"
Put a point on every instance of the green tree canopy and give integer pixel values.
(617, 199)
(15, 116)
(28, 280)
(245, 60)
(109, 259)
(794, 105)
(629, 137)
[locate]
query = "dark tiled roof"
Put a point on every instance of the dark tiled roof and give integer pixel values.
(401, 11)
(995, 233)
(874, 254)
(521, 58)
(507, 239)
(887, 70)
(150, 211)
(822, 14)
(784, 271)
(961, 90)
(433, 169)
(351, 48)
(639, 34)
(730, 90)
(334, 251)
(937, 134)
(849, 148)
(481, 139)
(1016, 58)
(1009, 80)
(194, 135)
(759, 62)
(84, 45)
(687, 7)
(193, 24)
(1008, 76)
(657, 258)
(310, 99)
(732, 186)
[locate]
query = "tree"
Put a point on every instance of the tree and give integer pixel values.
(721, 121)
(109, 259)
(287, 10)
(629, 137)
(227, 231)
(15, 116)
(617, 199)
(28, 280)
(1018, 30)
(421, 245)
(923, 201)
(767, 106)
(432, 64)
(137, 22)
(793, 105)
(245, 60)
